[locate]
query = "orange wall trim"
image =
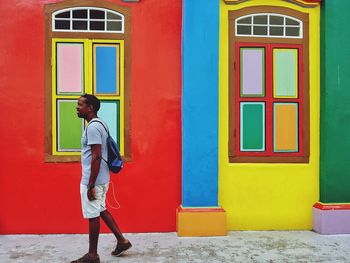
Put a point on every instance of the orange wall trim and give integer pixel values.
(201, 221)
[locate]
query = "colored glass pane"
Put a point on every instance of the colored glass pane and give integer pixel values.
(110, 112)
(252, 126)
(285, 127)
(252, 72)
(106, 69)
(69, 126)
(70, 67)
(285, 73)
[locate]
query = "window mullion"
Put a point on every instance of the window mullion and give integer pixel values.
(88, 64)
(53, 99)
(268, 25)
(71, 20)
(88, 19)
(269, 100)
(105, 20)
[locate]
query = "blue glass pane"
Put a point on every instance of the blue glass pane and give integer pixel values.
(106, 70)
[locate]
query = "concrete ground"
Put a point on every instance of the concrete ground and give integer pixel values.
(238, 246)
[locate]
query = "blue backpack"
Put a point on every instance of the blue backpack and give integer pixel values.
(114, 160)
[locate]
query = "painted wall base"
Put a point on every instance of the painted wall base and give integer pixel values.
(331, 219)
(193, 222)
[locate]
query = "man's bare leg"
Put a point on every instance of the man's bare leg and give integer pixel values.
(94, 231)
(112, 225)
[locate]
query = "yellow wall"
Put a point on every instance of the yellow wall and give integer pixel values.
(269, 196)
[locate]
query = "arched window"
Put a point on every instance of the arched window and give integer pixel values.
(88, 19)
(269, 85)
(269, 25)
(87, 50)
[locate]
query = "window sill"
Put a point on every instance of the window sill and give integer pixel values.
(61, 159)
(72, 159)
(269, 159)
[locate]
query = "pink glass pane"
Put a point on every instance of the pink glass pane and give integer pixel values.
(69, 68)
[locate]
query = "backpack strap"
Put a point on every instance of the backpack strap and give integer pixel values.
(105, 130)
(98, 122)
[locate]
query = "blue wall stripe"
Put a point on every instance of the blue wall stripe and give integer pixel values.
(200, 103)
(106, 69)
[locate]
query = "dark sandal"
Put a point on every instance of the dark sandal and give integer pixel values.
(121, 248)
(87, 259)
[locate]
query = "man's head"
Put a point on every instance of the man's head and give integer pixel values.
(88, 106)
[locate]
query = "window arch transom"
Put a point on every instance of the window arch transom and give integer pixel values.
(269, 25)
(88, 19)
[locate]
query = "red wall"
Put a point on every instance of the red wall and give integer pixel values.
(38, 197)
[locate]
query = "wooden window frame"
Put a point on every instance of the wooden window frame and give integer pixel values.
(268, 99)
(234, 156)
(89, 64)
(49, 9)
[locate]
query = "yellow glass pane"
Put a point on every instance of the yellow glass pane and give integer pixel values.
(285, 127)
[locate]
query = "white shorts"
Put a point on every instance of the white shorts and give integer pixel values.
(92, 209)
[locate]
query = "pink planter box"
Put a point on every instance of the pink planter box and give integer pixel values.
(331, 219)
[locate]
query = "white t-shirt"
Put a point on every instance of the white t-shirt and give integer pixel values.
(94, 133)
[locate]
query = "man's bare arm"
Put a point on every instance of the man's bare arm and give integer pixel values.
(96, 156)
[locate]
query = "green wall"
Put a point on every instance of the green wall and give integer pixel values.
(335, 102)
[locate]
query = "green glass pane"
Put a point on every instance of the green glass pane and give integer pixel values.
(285, 73)
(252, 124)
(69, 130)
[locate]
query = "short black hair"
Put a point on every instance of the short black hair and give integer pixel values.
(93, 101)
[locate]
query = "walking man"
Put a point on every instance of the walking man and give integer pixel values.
(95, 179)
